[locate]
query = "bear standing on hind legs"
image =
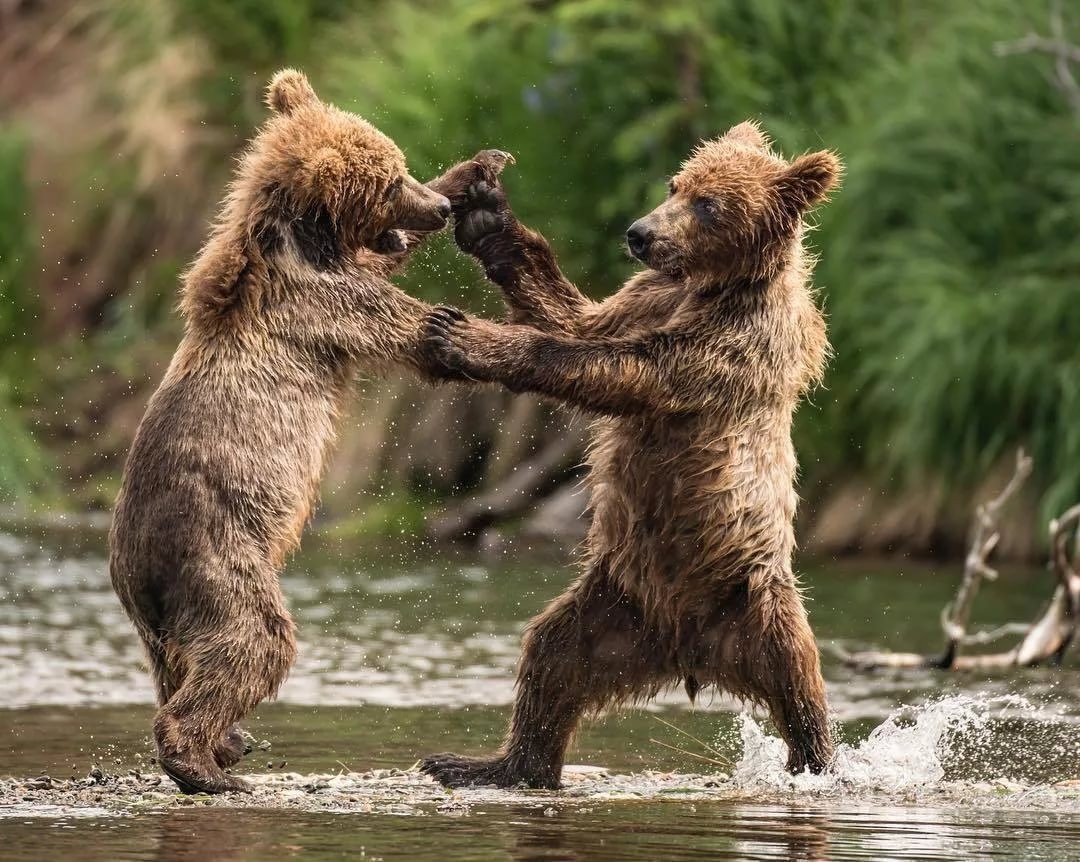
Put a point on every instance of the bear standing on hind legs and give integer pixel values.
(695, 368)
(287, 299)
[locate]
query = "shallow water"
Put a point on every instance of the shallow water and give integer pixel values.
(403, 654)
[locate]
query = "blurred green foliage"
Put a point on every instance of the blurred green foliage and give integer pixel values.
(950, 261)
(952, 264)
(22, 461)
(949, 258)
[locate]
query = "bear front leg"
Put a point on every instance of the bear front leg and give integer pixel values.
(519, 260)
(619, 377)
(589, 648)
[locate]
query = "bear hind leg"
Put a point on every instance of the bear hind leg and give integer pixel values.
(769, 655)
(588, 649)
(168, 676)
(230, 672)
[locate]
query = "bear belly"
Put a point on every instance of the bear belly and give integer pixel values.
(684, 524)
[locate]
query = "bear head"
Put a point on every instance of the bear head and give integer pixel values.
(332, 178)
(733, 210)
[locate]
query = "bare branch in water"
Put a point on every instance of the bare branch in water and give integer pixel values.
(984, 539)
(1044, 641)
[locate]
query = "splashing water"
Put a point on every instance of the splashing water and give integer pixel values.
(910, 749)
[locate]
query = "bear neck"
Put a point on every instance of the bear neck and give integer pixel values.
(759, 273)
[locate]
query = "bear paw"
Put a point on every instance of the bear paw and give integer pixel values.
(480, 216)
(440, 341)
(454, 770)
(194, 774)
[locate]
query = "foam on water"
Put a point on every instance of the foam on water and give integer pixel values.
(914, 746)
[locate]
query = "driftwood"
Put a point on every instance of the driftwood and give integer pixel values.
(1043, 641)
(516, 493)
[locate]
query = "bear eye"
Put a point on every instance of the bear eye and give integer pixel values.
(707, 209)
(393, 189)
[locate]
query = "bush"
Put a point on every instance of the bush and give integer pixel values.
(951, 264)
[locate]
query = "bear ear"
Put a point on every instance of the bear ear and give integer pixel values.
(750, 134)
(807, 181)
(288, 90)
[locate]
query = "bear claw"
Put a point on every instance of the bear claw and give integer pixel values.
(439, 336)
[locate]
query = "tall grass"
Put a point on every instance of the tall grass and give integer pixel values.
(953, 266)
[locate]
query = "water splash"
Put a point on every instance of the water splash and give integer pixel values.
(915, 747)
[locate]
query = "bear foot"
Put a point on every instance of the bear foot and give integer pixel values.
(194, 775)
(232, 747)
(813, 763)
(453, 770)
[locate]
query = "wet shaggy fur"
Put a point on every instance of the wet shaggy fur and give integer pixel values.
(695, 368)
(286, 300)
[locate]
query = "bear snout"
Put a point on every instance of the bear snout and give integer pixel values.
(639, 239)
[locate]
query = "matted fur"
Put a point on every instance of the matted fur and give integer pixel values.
(286, 300)
(695, 368)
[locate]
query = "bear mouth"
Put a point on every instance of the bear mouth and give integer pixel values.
(391, 241)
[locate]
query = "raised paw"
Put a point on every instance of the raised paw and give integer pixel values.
(481, 215)
(492, 162)
(453, 770)
(485, 166)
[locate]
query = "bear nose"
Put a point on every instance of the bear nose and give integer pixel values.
(638, 238)
(443, 208)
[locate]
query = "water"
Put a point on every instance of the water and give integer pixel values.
(405, 653)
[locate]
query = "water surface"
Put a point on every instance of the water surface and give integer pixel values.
(405, 652)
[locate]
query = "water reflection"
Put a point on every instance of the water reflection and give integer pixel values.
(630, 831)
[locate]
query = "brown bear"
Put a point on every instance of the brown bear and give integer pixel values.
(284, 302)
(695, 368)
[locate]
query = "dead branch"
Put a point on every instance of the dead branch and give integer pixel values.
(516, 493)
(1055, 45)
(985, 537)
(1052, 633)
(1044, 641)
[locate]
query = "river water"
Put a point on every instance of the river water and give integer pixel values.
(407, 651)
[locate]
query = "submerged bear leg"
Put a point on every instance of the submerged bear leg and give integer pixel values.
(232, 669)
(587, 649)
(770, 656)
